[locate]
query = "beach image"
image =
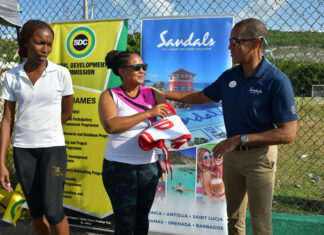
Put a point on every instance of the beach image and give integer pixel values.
(182, 185)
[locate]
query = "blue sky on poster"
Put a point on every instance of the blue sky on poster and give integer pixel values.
(287, 15)
(207, 60)
(191, 152)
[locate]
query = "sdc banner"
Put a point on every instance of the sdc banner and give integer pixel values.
(81, 47)
(185, 54)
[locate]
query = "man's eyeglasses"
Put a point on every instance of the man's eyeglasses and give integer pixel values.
(136, 67)
(237, 41)
(206, 157)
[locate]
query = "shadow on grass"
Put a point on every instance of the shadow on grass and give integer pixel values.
(296, 205)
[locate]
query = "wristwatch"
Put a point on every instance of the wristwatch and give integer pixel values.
(244, 139)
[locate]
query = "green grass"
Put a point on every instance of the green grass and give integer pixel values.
(295, 190)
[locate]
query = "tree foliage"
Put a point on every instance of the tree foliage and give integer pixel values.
(312, 39)
(134, 42)
(8, 50)
(302, 75)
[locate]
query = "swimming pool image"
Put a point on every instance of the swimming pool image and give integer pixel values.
(204, 121)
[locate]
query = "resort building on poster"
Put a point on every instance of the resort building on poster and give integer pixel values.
(181, 80)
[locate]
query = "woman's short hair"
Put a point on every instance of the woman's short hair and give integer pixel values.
(27, 31)
(115, 59)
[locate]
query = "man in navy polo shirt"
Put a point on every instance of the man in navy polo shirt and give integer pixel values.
(259, 113)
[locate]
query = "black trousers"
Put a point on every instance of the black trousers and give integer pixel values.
(131, 189)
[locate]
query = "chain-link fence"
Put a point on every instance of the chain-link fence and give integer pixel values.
(296, 39)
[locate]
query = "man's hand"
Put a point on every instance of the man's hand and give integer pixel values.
(226, 146)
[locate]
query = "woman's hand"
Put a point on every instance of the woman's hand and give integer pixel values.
(160, 110)
(5, 134)
(5, 179)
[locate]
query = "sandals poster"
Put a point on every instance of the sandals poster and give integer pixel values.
(185, 54)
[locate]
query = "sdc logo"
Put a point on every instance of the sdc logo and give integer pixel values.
(80, 42)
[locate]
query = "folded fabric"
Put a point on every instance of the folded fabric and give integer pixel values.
(169, 128)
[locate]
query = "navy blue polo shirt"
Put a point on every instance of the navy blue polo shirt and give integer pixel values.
(256, 103)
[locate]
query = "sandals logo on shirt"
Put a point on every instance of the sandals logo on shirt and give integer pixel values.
(80, 42)
(256, 91)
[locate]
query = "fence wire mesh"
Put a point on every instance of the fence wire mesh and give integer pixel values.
(296, 39)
